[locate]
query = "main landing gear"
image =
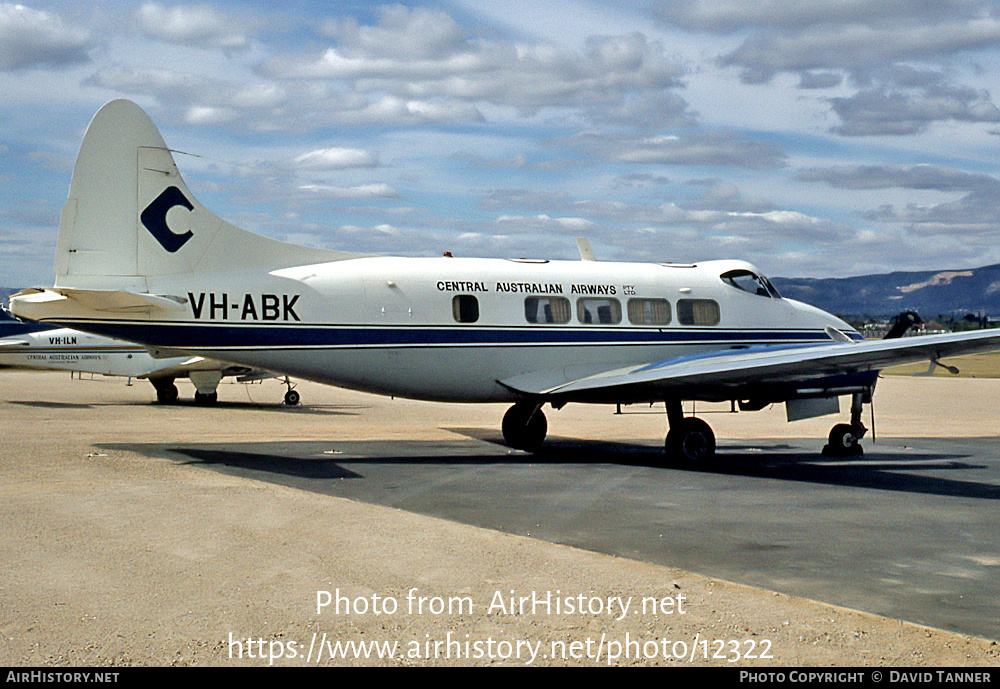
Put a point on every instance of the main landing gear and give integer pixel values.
(166, 391)
(524, 426)
(689, 439)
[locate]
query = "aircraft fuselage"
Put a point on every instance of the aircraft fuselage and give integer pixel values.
(381, 324)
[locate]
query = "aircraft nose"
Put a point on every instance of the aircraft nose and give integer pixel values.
(816, 317)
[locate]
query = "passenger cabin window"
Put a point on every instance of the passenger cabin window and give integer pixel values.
(599, 310)
(648, 311)
(698, 312)
(465, 308)
(749, 282)
(547, 310)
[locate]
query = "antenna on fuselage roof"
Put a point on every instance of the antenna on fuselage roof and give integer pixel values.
(586, 253)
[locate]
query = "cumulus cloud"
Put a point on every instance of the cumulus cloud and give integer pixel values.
(718, 223)
(197, 25)
(364, 191)
(335, 159)
(198, 98)
(33, 39)
(881, 112)
(730, 16)
(419, 55)
(389, 109)
(857, 47)
(903, 176)
(209, 115)
(544, 223)
(872, 44)
(692, 147)
(972, 220)
(165, 83)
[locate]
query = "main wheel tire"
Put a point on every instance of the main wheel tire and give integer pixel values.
(292, 398)
(524, 427)
(206, 399)
(166, 394)
(691, 441)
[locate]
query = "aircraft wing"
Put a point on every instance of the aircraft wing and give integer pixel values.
(759, 365)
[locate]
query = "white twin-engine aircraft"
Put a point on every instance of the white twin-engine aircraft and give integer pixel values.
(140, 259)
(63, 349)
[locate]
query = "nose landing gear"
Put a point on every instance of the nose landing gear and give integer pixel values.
(845, 438)
(292, 397)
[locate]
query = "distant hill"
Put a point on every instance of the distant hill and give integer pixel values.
(929, 293)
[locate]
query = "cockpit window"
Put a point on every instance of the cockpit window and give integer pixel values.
(750, 282)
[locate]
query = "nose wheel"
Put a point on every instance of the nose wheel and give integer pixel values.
(845, 441)
(845, 438)
(292, 397)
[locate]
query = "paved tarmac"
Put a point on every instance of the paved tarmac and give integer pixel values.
(908, 531)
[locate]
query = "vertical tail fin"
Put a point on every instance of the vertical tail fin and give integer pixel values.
(129, 215)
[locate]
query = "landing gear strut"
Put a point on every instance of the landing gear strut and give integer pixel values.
(690, 439)
(524, 426)
(845, 437)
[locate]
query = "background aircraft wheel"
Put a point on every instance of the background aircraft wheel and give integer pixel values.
(844, 441)
(166, 394)
(524, 426)
(691, 440)
(292, 398)
(206, 399)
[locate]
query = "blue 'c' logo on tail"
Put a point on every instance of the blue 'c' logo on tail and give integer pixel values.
(155, 219)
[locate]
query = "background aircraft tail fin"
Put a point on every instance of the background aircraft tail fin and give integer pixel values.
(129, 215)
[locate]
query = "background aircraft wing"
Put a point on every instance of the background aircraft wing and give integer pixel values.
(760, 365)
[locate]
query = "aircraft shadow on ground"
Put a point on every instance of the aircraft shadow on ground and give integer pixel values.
(52, 405)
(331, 409)
(879, 469)
(325, 409)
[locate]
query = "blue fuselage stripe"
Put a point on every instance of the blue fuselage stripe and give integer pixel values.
(230, 337)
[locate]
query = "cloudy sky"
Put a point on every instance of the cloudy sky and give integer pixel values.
(830, 138)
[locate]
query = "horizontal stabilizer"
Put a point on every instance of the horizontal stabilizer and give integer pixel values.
(42, 304)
